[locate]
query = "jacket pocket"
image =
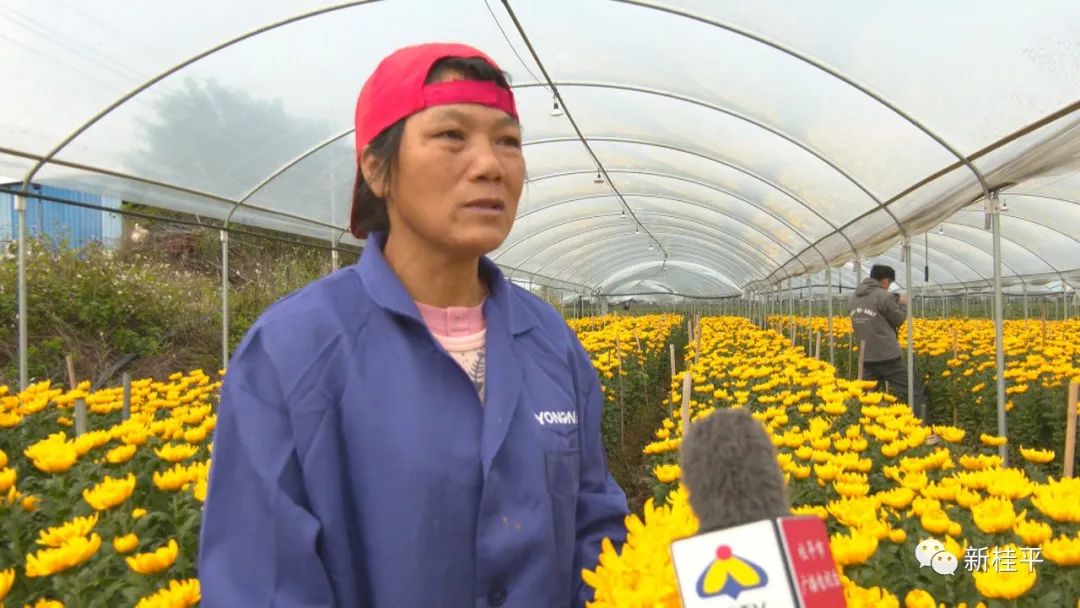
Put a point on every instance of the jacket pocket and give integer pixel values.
(563, 474)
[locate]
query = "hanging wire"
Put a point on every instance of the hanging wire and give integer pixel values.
(577, 129)
(514, 49)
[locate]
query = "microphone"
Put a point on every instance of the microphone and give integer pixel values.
(750, 551)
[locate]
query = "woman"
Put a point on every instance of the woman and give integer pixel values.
(414, 430)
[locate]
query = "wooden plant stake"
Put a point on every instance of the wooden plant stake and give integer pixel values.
(686, 403)
(697, 345)
(672, 351)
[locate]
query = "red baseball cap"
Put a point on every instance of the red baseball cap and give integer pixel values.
(396, 89)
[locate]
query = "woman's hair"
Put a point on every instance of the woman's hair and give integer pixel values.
(368, 210)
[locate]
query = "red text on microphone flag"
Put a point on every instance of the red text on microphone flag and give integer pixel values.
(810, 562)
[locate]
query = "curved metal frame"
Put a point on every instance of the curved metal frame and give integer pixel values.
(613, 259)
(282, 169)
(695, 246)
(567, 113)
(749, 227)
(670, 225)
(173, 187)
(633, 274)
(672, 199)
(713, 229)
(705, 251)
(548, 205)
(831, 72)
(727, 262)
(683, 281)
(821, 157)
(1058, 199)
(176, 68)
(1026, 220)
(990, 255)
(738, 169)
(946, 170)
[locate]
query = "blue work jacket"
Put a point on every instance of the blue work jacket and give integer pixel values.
(355, 466)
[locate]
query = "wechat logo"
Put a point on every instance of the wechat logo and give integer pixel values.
(931, 552)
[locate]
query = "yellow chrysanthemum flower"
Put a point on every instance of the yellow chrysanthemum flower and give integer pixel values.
(667, 473)
(53, 455)
(919, 598)
(1059, 500)
(1037, 456)
(1063, 551)
(76, 528)
(7, 579)
(852, 549)
(154, 561)
(126, 543)
(994, 515)
(1033, 533)
(175, 452)
(7, 479)
(1001, 583)
(73, 552)
(121, 454)
(993, 440)
(110, 492)
(179, 594)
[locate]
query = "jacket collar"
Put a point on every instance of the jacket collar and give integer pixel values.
(501, 309)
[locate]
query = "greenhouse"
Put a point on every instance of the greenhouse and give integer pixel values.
(707, 185)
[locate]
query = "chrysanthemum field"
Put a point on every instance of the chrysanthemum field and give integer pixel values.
(111, 518)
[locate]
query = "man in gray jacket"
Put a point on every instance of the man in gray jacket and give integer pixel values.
(876, 316)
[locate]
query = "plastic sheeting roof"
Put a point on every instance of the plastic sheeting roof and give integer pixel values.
(738, 144)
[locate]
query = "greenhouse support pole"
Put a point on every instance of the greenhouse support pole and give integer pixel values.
(791, 309)
(20, 208)
(224, 299)
(910, 328)
(828, 306)
(1025, 302)
(999, 315)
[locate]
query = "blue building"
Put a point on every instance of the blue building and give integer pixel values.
(57, 221)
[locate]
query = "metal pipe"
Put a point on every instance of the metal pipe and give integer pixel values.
(910, 330)
(224, 299)
(828, 295)
(791, 307)
(20, 208)
(999, 334)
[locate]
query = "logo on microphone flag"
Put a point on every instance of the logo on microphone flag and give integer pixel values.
(778, 563)
(732, 568)
(730, 575)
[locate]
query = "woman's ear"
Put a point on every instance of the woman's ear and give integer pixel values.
(374, 171)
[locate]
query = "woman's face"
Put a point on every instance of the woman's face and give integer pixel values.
(458, 179)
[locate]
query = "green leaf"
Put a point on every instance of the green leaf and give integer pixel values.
(1050, 599)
